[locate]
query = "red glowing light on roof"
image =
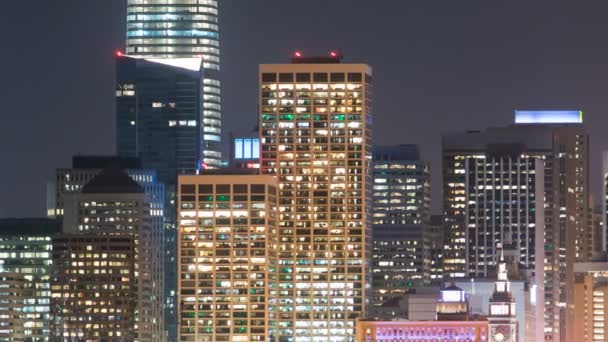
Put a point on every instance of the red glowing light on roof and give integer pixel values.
(297, 54)
(118, 53)
(333, 54)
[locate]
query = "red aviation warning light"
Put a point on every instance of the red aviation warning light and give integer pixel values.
(297, 54)
(119, 53)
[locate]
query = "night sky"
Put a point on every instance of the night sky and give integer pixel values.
(438, 65)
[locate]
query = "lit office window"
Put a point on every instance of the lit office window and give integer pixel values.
(238, 148)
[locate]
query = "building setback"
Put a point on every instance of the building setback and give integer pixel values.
(315, 130)
(227, 257)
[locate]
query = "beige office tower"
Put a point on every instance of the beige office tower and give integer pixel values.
(590, 302)
(488, 182)
(315, 130)
(107, 266)
(227, 257)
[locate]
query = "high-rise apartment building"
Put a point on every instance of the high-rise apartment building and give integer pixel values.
(183, 34)
(315, 130)
(227, 257)
(25, 283)
(525, 186)
(88, 274)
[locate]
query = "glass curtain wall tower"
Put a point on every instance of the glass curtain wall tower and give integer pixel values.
(315, 129)
(183, 33)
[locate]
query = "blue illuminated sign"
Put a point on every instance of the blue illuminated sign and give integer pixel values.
(246, 148)
(548, 116)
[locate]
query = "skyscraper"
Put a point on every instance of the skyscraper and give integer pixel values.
(159, 116)
(160, 120)
(186, 34)
(402, 235)
(315, 130)
(95, 294)
(513, 185)
(402, 188)
(227, 260)
(25, 280)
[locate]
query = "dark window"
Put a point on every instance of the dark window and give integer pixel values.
(368, 78)
(354, 77)
(258, 188)
(301, 77)
(267, 77)
(205, 188)
(188, 198)
(286, 77)
(188, 188)
(335, 77)
(222, 188)
(319, 77)
(240, 188)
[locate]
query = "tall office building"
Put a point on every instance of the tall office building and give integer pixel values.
(402, 237)
(184, 34)
(69, 181)
(96, 293)
(159, 117)
(160, 120)
(315, 130)
(402, 186)
(514, 185)
(227, 260)
(25, 284)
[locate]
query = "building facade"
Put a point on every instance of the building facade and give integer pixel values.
(315, 131)
(512, 185)
(451, 321)
(402, 237)
(183, 34)
(159, 116)
(111, 205)
(160, 119)
(402, 186)
(25, 285)
(590, 302)
(69, 182)
(227, 257)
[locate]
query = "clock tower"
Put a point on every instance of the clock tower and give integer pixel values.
(502, 319)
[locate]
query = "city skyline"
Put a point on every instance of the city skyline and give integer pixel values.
(450, 73)
(307, 212)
